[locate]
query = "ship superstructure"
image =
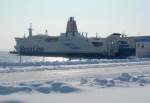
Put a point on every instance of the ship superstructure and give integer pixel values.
(74, 44)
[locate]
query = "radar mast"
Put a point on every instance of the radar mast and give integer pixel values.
(30, 30)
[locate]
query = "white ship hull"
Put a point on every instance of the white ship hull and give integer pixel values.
(60, 46)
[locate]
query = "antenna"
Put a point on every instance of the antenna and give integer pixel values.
(86, 34)
(24, 35)
(46, 32)
(30, 30)
(96, 35)
(30, 25)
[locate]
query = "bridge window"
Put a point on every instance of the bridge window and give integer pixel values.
(97, 44)
(51, 39)
(142, 46)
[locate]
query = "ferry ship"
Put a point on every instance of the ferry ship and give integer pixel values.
(74, 44)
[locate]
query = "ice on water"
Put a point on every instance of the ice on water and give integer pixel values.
(63, 76)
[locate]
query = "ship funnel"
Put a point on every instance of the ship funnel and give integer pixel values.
(71, 25)
(30, 30)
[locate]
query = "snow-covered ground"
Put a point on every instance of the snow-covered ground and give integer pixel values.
(109, 95)
(89, 81)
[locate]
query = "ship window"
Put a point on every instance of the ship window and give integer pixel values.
(51, 39)
(73, 34)
(138, 45)
(97, 44)
(142, 46)
(66, 34)
(122, 42)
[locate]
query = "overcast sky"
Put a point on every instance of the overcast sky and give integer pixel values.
(102, 16)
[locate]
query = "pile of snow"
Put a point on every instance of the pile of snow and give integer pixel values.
(123, 80)
(129, 78)
(124, 77)
(5, 90)
(104, 82)
(57, 87)
(45, 88)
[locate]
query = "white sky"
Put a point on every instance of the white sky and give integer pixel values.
(102, 16)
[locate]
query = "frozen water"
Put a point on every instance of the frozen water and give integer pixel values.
(55, 80)
(10, 63)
